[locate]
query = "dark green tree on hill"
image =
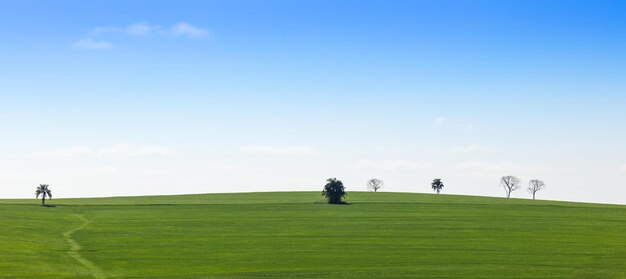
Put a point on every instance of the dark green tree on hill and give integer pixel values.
(44, 191)
(437, 185)
(334, 191)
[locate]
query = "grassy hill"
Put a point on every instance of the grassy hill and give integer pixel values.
(272, 235)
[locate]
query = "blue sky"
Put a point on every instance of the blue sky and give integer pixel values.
(140, 97)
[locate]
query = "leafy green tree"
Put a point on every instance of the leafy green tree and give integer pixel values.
(437, 185)
(44, 191)
(334, 191)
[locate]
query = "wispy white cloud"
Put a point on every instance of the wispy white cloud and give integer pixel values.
(89, 43)
(281, 151)
(431, 150)
(18, 176)
(135, 29)
(469, 149)
(143, 29)
(623, 168)
(392, 165)
(474, 148)
(106, 169)
(92, 170)
(73, 151)
(489, 169)
(117, 150)
(188, 30)
(125, 149)
(10, 175)
(222, 167)
(440, 121)
(470, 127)
(156, 172)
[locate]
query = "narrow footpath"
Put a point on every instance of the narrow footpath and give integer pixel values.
(74, 250)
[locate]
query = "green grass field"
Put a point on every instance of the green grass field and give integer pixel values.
(273, 235)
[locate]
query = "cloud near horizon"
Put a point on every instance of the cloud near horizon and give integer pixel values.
(280, 151)
(391, 165)
(439, 121)
(222, 167)
(117, 150)
(488, 169)
(474, 148)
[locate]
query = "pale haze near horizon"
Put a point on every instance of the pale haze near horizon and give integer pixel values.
(245, 97)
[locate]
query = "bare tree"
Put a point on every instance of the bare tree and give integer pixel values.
(509, 183)
(375, 184)
(535, 186)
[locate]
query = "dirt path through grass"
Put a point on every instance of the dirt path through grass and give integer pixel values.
(74, 251)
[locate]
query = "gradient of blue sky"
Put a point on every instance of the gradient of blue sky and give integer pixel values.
(279, 95)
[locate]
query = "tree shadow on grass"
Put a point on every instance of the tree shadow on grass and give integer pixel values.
(324, 202)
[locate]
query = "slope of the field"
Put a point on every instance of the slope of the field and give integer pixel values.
(270, 235)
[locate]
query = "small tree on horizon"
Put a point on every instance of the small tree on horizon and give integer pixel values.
(44, 191)
(334, 191)
(535, 186)
(509, 183)
(437, 185)
(375, 184)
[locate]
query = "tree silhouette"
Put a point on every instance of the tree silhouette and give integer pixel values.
(334, 191)
(437, 185)
(535, 186)
(43, 190)
(375, 184)
(509, 183)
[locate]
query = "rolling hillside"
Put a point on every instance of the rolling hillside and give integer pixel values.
(273, 235)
